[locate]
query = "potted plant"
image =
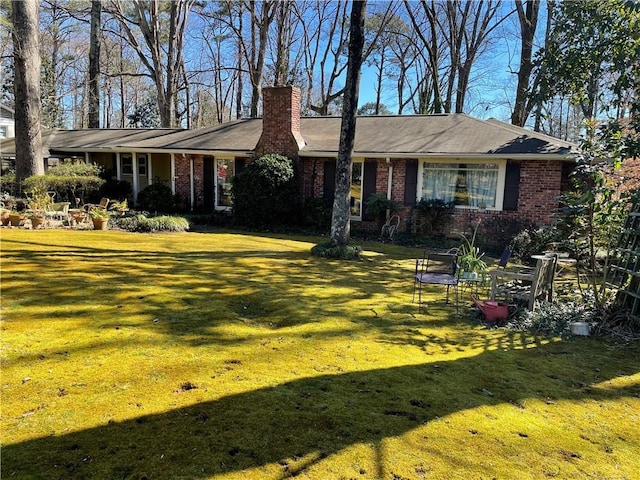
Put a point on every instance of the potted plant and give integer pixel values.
(470, 262)
(16, 218)
(4, 216)
(120, 207)
(39, 201)
(100, 218)
(37, 218)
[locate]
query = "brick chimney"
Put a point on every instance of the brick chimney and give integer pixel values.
(280, 122)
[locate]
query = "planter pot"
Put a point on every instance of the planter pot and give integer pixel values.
(37, 221)
(580, 328)
(469, 276)
(100, 223)
(16, 219)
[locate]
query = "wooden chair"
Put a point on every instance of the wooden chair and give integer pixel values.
(531, 286)
(104, 203)
(436, 269)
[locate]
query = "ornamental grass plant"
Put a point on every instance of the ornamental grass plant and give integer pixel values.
(238, 356)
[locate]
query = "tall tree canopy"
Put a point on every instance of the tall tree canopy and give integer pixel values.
(203, 63)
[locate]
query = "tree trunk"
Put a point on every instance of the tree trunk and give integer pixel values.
(26, 52)
(340, 219)
(94, 65)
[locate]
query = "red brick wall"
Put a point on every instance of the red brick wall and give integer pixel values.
(280, 122)
(183, 179)
(541, 184)
(312, 172)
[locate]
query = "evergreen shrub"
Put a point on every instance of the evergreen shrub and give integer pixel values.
(156, 198)
(266, 193)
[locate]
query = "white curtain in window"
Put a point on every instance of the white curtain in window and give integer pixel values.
(439, 181)
(482, 183)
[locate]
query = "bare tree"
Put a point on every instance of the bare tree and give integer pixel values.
(252, 50)
(163, 62)
(428, 32)
(474, 28)
(528, 19)
(26, 54)
(324, 46)
(340, 219)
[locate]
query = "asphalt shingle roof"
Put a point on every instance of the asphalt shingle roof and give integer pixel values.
(415, 135)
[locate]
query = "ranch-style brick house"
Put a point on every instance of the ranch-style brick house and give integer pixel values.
(489, 169)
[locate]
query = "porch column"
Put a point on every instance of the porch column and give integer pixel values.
(87, 159)
(149, 170)
(134, 165)
(118, 167)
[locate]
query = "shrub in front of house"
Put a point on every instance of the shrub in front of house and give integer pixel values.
(162, 223)
(114, 188)
(266, 193)
(8, 182)
(533, 241)
(317, 212)
(156, 198)
(69, 180)
(431, 215)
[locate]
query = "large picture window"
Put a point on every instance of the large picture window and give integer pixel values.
(224, 174)
(463, 184)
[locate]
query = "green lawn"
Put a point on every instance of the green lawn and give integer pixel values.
(225, 355)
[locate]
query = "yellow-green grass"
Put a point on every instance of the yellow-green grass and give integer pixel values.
(226, 355)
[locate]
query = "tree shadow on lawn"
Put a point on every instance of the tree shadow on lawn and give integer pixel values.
(262, 287)
(302, 422)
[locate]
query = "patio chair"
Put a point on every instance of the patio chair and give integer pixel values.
(504, 258)
(532, 287)
(58, 211)
(104, 203)
(436, 269)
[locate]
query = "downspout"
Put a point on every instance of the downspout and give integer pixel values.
(192, 182)
(173, 173)
(389, 178)
(389, 182)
